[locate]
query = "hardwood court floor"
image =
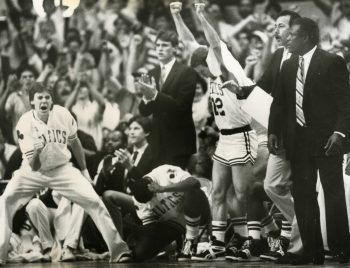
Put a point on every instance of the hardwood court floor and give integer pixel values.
(219, 264)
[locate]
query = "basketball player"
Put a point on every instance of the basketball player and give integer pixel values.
(44, 134)
(165, 200)
(236, 151)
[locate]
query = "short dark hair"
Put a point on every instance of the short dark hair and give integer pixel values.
(273, 5)
(293, 15)
(199, 57)
(27, 68)
(168, 36)
(139, 189)
(308, 27)
(144, 122)
(39, 88)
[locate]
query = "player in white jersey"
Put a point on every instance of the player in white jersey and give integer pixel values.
(44, 134)
(166, 200)
(236, 150)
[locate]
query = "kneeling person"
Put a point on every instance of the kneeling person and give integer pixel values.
(165, 201)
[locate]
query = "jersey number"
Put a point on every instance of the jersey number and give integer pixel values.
(218, 106)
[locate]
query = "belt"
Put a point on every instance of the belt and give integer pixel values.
(235, 130)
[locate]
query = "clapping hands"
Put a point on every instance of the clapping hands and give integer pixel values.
(147, 87)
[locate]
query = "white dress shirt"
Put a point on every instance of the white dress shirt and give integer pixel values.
(285, 56)
(140, 152)
(307, 59)
(166, 68)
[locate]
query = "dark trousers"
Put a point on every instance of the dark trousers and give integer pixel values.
(152, 238)
(148, 240)
(308, 159)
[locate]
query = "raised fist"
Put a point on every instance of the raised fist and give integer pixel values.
(199, 7)
(175, 7)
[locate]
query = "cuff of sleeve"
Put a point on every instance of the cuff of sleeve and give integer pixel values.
(341, 134)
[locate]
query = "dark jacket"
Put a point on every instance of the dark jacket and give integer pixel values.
(326, 101)
(173, 132)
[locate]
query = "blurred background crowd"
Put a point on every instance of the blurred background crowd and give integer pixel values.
(93, 58)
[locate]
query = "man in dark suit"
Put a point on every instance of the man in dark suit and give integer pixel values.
(168, 94)
(313, 106)
(133, 166)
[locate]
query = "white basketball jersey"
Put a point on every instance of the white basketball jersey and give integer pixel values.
(226, 107)
(60, 128)
(166, 206)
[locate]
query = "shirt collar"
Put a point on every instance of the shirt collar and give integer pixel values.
(36, 117)
(308, 55)
(168, 65)
(140, 150)
(286, 51)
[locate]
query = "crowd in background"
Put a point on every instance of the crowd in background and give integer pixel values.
(92, 60)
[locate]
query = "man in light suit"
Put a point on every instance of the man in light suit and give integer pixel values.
(168, 93)
(313, 107)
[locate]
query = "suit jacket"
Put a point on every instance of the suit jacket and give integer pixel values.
(326, 101)
(173, 132)
(144, 166)
(116, 180)
(110, 181)
(268, 82)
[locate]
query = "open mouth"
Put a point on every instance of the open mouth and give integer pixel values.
(44, 108)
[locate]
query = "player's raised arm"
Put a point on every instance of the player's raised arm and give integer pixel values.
(182, 30)
(210, 34)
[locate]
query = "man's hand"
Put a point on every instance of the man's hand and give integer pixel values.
(270, 30)
(136, 40)
(107, 164)
(147, 88)
(232, 86)
(86, 174)
(175, 7)
(124, 158)
(251, 60)
(39, 144)
(273, 144)
(334, 145)
(11, 82)
(155, 187)
(199, 8)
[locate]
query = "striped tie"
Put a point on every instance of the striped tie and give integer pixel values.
(299, 93)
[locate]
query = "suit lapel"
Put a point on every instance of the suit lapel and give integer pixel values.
(277, 63)
(315, 63)
(171, 76)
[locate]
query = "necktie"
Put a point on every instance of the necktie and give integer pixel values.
(299, 93)
(162, 76)
(134, 156)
